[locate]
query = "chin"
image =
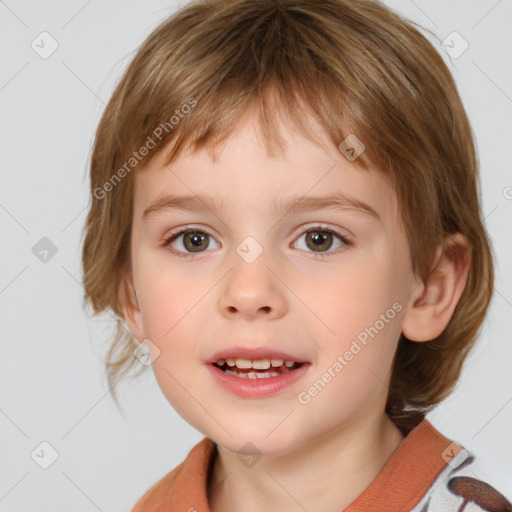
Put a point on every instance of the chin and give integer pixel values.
(257, 444)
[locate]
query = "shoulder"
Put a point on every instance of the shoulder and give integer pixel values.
(459, 487)
(153, 499)
(186, 480)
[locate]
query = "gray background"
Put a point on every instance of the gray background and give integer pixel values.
(52, 382)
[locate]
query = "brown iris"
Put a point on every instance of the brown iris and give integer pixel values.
(194, 240)
(321, 240)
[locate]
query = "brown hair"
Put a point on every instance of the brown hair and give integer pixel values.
(358, 68)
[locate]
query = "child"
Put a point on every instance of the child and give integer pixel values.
(285, 213)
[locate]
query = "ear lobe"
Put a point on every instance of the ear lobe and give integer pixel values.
(130, 307)
(433, 302)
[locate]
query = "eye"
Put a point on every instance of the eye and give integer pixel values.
(321, 238)
(191, 240)
(188, 241)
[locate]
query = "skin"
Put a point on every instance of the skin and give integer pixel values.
(325, 453)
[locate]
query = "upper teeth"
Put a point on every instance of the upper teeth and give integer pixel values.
(258, 364)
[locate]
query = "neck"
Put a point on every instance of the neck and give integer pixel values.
(326, 475)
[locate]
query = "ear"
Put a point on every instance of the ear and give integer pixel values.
(131, 310)
(434, 300)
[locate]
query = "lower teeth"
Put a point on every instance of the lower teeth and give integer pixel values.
(253, 375)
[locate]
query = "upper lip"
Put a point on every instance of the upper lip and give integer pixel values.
(240, 352)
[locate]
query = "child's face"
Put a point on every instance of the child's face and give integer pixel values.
(195, 304)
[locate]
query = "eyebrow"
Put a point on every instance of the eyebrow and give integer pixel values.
(335, 201)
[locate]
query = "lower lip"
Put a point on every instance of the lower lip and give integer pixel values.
(258, 388)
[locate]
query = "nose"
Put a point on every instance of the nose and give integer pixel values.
(252, 290)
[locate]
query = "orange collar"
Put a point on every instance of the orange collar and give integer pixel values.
(401, 484)
(410, 471)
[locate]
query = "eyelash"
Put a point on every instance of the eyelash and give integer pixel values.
(190, 229)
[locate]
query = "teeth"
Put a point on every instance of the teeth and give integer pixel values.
(257, 364)
(261, 364)
(243, 363)
(265, 375)
(253, 375)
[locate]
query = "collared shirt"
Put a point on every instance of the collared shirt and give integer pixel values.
(427, 473)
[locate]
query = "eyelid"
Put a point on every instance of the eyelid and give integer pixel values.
(323, 226)
(183, 228)
(303, 230)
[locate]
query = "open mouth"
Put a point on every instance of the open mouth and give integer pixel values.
(256, 369)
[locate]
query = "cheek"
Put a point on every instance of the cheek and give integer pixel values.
(167, 295)
(353, 298)
(361, 312)
(170, 319)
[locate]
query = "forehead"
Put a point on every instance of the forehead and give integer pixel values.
(239, 173)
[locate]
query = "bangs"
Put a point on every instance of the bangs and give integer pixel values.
(280, 65)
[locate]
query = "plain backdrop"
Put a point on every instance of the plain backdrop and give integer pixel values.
(53, 388)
